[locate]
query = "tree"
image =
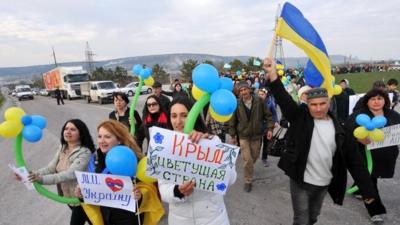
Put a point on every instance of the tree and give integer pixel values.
(250, 64)
(159, 74)
(187, 68)
(236, 65)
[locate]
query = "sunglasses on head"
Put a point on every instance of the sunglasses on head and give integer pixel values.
(152, 104)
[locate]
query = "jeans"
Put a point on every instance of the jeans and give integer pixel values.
(264, 154)
(307, 202)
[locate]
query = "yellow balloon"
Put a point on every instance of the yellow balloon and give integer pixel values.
(337, 90)
(10, 128)
(240, 77)
(141, 172)
(219, 118)
(279, 66)
(149, 81)
(376, 135)
(197, 93)
(280, 72)
(284, 79)
(360, 132)
(14, 113)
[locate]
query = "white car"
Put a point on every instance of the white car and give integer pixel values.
(130, 89)
(44, 92)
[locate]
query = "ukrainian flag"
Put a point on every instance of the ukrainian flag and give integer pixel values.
(294, 27)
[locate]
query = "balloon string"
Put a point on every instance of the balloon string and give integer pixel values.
(133, 106)
(369, 166)
(195, 112)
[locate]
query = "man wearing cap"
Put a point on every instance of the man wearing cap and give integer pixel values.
(163, 99)
(247, 125)
(318, 152)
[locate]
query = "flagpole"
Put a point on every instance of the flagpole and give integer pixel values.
(272, 46)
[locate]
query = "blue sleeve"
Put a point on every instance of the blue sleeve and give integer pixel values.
(92, 167)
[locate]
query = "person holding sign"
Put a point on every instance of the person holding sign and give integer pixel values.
(318, 152)
(188, 206)
(73, 155)
(376, 103)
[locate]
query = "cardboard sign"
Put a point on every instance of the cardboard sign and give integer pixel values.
(107, 190)
(173, 157)
(392, 138)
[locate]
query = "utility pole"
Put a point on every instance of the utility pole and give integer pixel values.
(54, 56)
(278, 43)
(89, 59)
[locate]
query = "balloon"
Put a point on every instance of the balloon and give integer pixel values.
(337, 90)
(121, 160)
(360, 132)
(376, 135)
(280, 72)
(257, 85)
(141, 172)
(136, 69)
(195, 112)
(223, 102)
(206, 78)
(226, 83)
(279, 67)
(145, 73)
(369, 126)
(39, 121)
(197, 93)
(26, 120)
(10, 128)
(32, 133)
(284, 79)
(149, 81)
(14, 113)
(379, 121)
(238, 73)
(219, 118)
(240, 77)
(312, 76)
(363, 119)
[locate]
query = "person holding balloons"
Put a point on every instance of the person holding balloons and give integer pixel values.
(376, 103)
(188, 206)
(73, 155)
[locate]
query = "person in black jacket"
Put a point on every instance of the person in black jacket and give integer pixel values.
(59, 96)
(157, 89)
(318, 152)
(342, 101)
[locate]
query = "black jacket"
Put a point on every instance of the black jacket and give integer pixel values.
(125, 120)
(384, 159)
(294, 158)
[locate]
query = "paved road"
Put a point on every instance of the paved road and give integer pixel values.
(268, 203)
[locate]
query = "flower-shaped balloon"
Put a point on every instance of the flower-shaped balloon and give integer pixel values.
(370, 128)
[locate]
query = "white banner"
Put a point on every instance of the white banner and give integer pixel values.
(107, 190)
(173, 157)
(392, 137)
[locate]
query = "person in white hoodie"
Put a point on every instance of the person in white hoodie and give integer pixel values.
(189, 206)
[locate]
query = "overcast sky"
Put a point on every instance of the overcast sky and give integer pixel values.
(120, 28)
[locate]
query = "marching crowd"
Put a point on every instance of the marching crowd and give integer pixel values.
(319, 147)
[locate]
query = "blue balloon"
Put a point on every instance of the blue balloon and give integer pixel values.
(312, 76)
(363, 120)
(379, 121)
(257, 85)
(370, 126)
(226, 83)
(32, 133)
(223, 102)
(121, 160)
(145, 73)
(39, 121)
(136, 69)
(26, 120)
(206, 78)
(238, 73)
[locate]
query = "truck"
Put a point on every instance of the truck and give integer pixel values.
(67, 79)
(100, 91)
(23, 92)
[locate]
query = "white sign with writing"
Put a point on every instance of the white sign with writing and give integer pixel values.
(107, 190)
(173, 157)
(23, 173)
(392, 137)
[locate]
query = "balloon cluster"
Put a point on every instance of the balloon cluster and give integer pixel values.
(16, 121)
(370, 128)
(279, 68)
(206, 81)
(286, 80)
(314, 78)
(144, 73)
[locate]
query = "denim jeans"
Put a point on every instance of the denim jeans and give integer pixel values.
(307, 202)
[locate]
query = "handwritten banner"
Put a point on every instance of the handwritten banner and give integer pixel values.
(107, 190)
(392, 137)
(173, 157)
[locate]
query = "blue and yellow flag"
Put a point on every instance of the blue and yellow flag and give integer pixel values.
(294, 27)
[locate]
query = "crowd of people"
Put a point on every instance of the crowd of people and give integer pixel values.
(319, 146)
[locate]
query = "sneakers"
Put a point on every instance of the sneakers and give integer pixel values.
(247, 187)
(377, 219)
(358, 196)
(265, 163)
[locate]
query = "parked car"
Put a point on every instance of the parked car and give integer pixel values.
(23, 92)
(44, 92)
(130, 89)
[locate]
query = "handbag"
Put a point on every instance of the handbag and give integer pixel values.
(276, 145)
